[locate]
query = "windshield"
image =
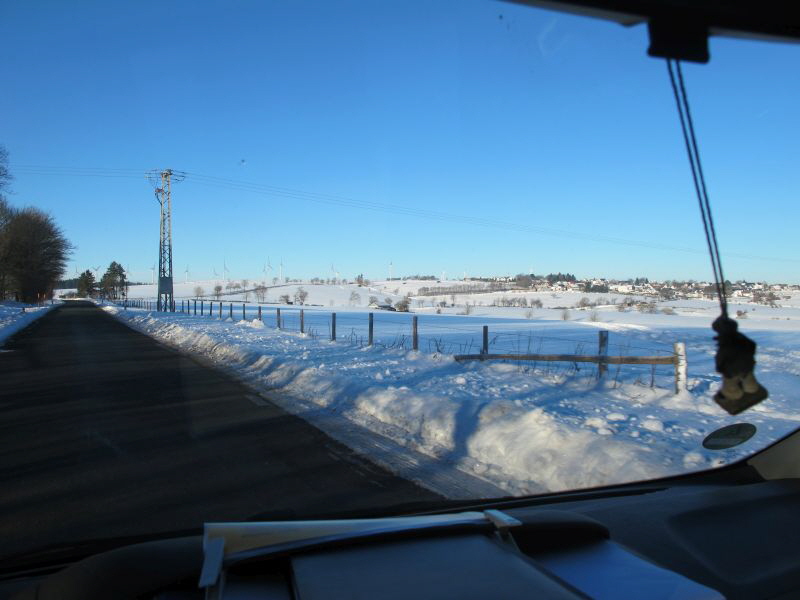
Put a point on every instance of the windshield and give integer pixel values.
(285, 260)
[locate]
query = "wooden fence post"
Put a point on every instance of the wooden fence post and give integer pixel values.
(302, 321)
(680, 367)
(202, 307)
(414, 336)
(230, 310)
(333, 327)
(485, 347)
(602, 350)
(195, 307)
(259, 312)
(220, 310)
(278, 318)
(244, 317)
(371, 328)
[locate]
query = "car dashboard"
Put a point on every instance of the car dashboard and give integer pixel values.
(730, 534)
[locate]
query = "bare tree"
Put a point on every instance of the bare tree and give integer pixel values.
(199, 291)
(34, 255)
(300, 295)
(5, 174)
(355, 298)
(284, 299)
(6, 214)
(33, 249)
(217, 291)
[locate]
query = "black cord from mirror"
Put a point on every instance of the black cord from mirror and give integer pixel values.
(735, 359)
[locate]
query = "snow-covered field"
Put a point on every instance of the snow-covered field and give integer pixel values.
(506, 427)
(16, 315)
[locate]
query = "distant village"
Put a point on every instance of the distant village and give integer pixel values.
(760, 292)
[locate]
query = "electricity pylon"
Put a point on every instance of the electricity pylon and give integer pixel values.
(162, 182)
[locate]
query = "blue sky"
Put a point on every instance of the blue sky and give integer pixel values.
(558, 129)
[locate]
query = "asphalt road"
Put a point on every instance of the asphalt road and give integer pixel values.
(104, 432)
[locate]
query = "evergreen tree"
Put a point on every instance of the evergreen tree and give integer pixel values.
(86, 284)
(113, 284)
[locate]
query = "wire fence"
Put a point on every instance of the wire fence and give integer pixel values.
(530, 348)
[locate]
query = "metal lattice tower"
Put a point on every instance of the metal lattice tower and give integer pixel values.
(162, 182)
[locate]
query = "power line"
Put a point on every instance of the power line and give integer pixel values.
(344, 201)
(442, 216)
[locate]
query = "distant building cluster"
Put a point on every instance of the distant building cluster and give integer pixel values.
(641, 286)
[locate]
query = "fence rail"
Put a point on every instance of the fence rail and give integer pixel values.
(610, 360)
(677, 360)
(405, 334)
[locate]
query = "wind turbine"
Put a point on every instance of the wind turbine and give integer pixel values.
(264, 271)
(391, 268)
(280, 272)
(96, 271)
(153, 274)
(186, 273)
(268, 267)
(225, 270)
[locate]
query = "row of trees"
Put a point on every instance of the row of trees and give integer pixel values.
(300, 294)
(112, 286)
(33, 249)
